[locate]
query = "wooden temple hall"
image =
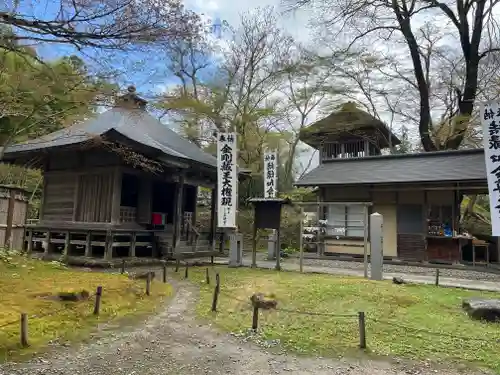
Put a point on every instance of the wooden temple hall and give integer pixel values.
(121, 184)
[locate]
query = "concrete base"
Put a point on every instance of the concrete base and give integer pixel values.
(235, 250)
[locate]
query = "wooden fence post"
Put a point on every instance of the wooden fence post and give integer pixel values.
(255, 317)
(98, 295)
(437, 276)
(177, 263)
(24, 330)
(148, 284)
(186, 271)
(164, 272)
(207, 277)
(123, 267)
(216, 293)
(362, 330)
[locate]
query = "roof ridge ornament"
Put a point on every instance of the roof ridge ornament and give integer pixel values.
(131, 100)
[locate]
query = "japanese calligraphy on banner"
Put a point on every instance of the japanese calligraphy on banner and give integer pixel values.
(227, 180)
(490, 120)
(270, 174)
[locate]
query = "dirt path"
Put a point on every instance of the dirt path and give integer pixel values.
(172, 342)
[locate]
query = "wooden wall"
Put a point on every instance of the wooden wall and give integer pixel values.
(85, 186)
(13, 208)
(58, 197)
(94, 197)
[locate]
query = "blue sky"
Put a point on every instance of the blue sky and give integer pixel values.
(146, 70)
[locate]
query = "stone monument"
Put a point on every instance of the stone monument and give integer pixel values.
(376, 246)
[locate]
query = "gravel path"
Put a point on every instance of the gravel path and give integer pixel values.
(173, 342)
(394, 268)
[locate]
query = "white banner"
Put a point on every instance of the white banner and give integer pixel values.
(227, 180)
(490, 121)
(270, 174)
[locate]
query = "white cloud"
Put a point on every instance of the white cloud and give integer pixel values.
(229, 10)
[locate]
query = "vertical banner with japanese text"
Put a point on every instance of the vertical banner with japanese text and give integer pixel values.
(490, 121)
(227, 180)
(270, 174)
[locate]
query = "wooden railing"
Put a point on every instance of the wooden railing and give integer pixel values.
(90, 242)
(192, 234)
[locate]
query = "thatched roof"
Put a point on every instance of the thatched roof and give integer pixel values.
(348, 122)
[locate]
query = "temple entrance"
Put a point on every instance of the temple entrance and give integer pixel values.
(163, 203)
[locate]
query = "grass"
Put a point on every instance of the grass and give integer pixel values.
(24, 285)
(420, 322)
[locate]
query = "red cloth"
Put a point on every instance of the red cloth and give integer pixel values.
(157, 218)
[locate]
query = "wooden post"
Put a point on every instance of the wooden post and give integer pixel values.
(254, 250)
(108, 245)
(362, 330)
(213, 218)
(29, 249)
(10, 219)
(164, 271)
(67, 244)
(47, 241)
(98, 295)
(123, 267)
(223, 243)
(177, 264)
(255, 318)
(178, 216)
(301, 240)
(133, 240)
(186, 271)
(216, 292)
(277, 246)
(365, 241)
(88, 244)
(437, 276)
(148, 284)
(24, 330)
(207, 277)
(116, 195)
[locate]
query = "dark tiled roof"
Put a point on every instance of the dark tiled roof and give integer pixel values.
(348, 121)
(137, 125)
(461, 165)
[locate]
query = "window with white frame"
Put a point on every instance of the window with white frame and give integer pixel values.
(346, 220)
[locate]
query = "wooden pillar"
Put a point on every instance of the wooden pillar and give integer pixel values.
(41, 210)
(195, 205)
(133, 238)
(213, 217)
(29, 249)
(116, 196)
(76, 197)
(88, 244)
(367, 147)
(47, 242)
(67, 243)
(10, 219)
(178, 208)
(108, 245)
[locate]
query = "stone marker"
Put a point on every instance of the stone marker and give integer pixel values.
(376, 246)
(398, 280)
(482, 309)
(271, 246)
(259, 300)
(235, 250)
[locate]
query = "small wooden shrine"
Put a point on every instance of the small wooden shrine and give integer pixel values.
(120, 184)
